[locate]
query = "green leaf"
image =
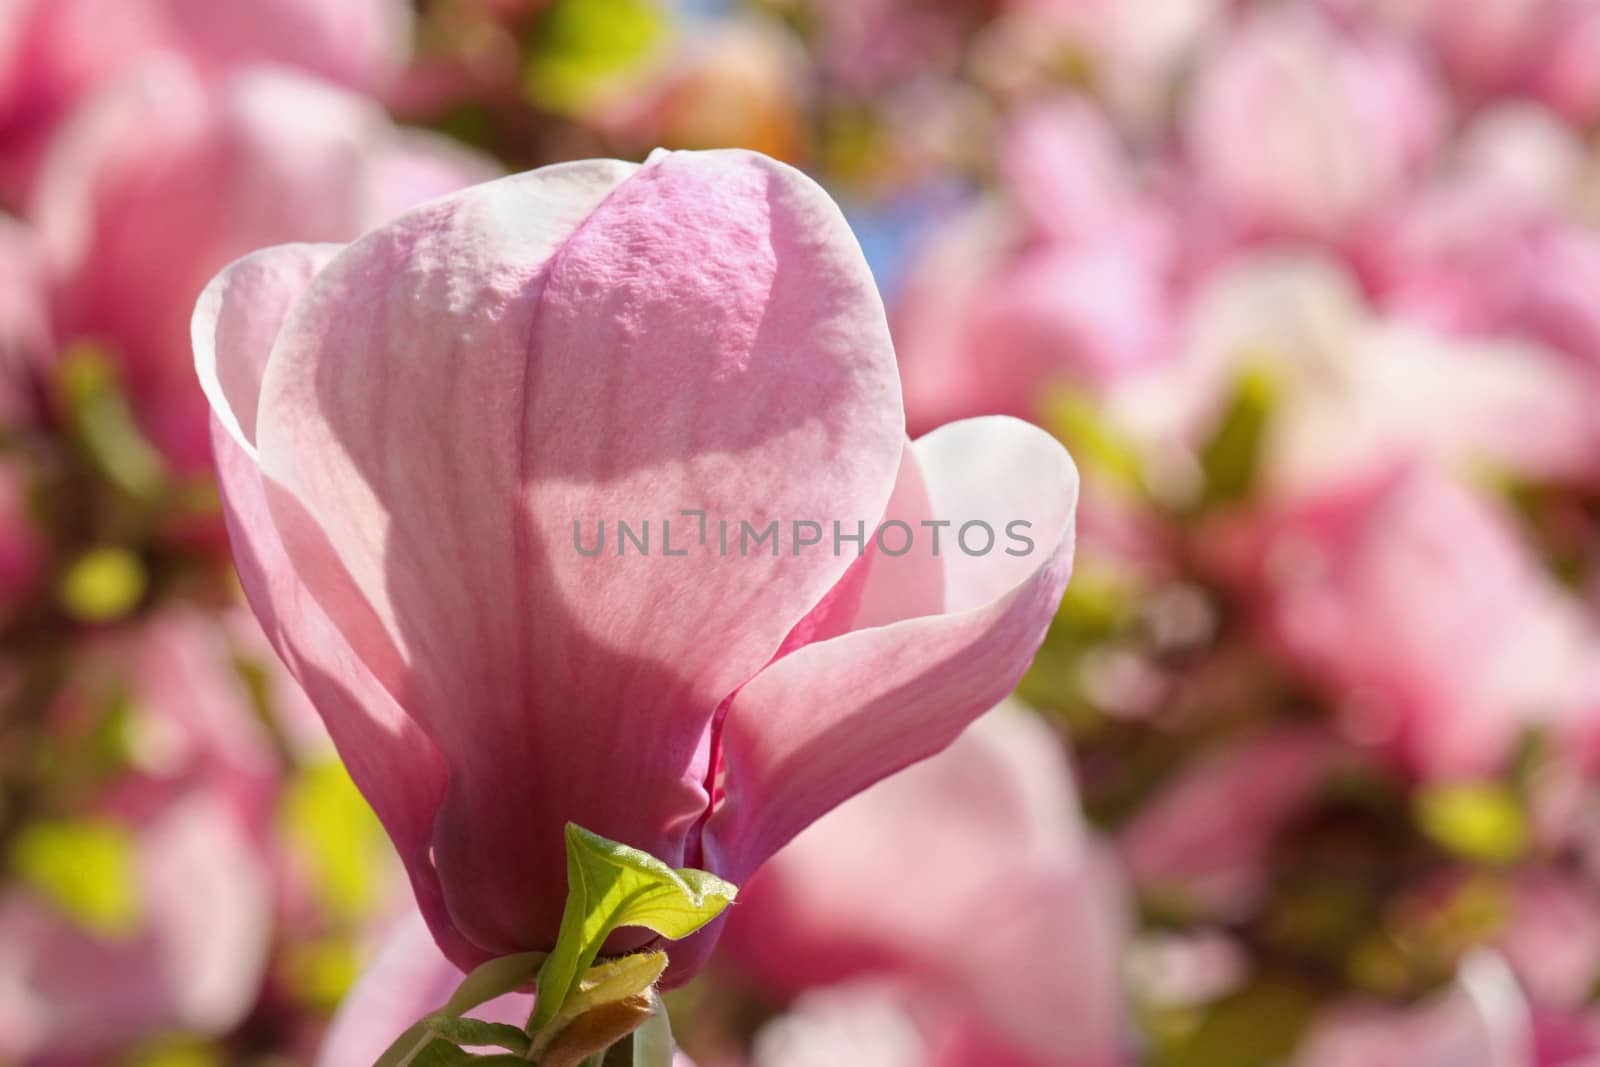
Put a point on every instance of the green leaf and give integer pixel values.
(494, 979)
(476, 1032)
(1231, 458)
(584, 49)
(1077, 421)
(103, 584)
(415, 1047)
(441, 1053)
(610, 885)
(1480, 821)
(87, 868)
(98, 412)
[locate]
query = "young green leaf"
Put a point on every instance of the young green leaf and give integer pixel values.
(476, 1032)
(610, 885)
(416, 1047)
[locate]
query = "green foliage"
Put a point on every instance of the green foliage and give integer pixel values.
(582, 49)
(98, 413)
(610, 886)
(1479, 821)
(1231, 457)
(581, 1008)
(103, 585)
(86, 867)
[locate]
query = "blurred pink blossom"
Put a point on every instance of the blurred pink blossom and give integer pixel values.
(1497, 245)
(410, 430)
(1296, 128)
(165, 176)
(53, 53)
(1343, 384)
(986, 834)
(1065, 285)
(1421, 605)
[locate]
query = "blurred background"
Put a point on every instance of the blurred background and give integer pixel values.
(1306, 773)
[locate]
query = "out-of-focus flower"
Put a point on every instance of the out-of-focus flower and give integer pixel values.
(1552, 939)
(1419, 603)
(1546, 49)
(418, 435)
(1496, 246)
(148, 906)
(1206, 838)
(53, 53)
(984, 833)
(1298, 129)
(1067, 285)
(165, 176)
(1341, 387)
(1482, 1020)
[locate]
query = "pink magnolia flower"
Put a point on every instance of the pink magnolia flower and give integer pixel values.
(54, 53)
(1497, 245)
(166, 176)
(1345, 382)
(988, 833)
(1418, 602)
(1297, 129)
(1546, 49)
(412, 430)
(188, 949)
(1064, 285)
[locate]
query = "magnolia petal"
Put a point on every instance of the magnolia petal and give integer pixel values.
(832, 717)
(392, 761)
(460, 390)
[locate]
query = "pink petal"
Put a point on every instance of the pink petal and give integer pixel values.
(829, 719)
(457, 391)
(393, 762)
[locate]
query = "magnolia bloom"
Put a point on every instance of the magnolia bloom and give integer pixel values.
(1296, 129)
(1548, 49)
(1344, 384)
(54, 53)
(1063, 284)
(413, 431)
(1498, 245)
(987, 832)
(170, 168)
(1417, 602)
